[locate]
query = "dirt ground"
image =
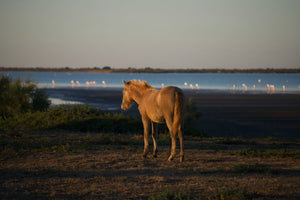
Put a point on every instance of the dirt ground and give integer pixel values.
(214, 168)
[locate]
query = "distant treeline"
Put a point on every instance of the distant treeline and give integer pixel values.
(108, 69)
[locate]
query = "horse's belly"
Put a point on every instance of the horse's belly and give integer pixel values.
(158, 120)
(156, 117)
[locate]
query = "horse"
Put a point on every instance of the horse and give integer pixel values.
(157, 106)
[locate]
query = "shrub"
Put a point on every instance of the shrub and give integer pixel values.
(81, 118)
(20, 97)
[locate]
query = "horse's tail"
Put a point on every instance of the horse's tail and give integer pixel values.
(178, 112)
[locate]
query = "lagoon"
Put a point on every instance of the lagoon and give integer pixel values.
(258, 82)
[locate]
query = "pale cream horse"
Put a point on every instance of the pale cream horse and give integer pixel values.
(159, 106)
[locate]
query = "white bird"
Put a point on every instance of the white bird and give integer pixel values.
(245, 87)
(272, 88)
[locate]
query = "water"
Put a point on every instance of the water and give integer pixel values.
(269, 83)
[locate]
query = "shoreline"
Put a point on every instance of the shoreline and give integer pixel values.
(223, 114)
(151, 70)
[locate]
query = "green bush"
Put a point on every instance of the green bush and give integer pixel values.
(81, 118)
(20, 97)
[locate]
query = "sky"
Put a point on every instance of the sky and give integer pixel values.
(156, 33)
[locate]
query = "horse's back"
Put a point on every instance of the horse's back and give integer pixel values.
(168, 97)
(170, 92)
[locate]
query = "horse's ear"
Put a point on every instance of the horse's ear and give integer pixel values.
(125, 83)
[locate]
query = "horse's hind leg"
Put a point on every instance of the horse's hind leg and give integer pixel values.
(154, 137)
(173, 137)
(181, 143)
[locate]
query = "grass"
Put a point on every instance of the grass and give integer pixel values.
(169, 195)
(267, 153)
(63, 164)
(251, 168)
(32, 142)
(79, 152)
(233, 193)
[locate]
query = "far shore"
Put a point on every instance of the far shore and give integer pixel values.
(150, 70)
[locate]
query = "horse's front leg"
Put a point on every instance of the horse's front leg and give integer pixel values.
(146, 133)
(154, 137)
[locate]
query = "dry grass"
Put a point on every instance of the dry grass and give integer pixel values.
(212, 170)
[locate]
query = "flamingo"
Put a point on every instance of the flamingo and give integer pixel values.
(245, 87)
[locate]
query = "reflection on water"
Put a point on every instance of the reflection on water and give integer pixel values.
(104, 105)
(57, 102)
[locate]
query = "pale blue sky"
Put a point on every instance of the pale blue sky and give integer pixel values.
(155, 33)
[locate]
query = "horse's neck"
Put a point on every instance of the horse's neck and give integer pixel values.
(137, 94)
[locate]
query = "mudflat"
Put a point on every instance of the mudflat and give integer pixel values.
(224, 114)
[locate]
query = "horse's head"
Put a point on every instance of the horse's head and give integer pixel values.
(127, 99)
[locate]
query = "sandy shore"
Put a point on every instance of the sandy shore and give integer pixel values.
(223, 114)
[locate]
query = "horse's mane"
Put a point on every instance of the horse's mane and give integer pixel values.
(140, 84)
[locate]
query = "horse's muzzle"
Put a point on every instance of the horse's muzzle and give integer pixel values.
(123, 107)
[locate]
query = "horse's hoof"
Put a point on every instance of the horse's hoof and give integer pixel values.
(170, 158)
(144, 156)
(181, 159)
(154, 156)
